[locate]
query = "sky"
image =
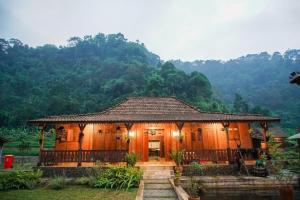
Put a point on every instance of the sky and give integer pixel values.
(173, 29)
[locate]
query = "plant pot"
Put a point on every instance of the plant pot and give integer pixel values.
(194, 198)
(179, 169)
(176, 181)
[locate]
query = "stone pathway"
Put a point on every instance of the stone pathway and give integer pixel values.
(156, 183)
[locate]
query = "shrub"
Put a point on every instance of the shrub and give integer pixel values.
(131, 159)
(57, 183)
(19, 179)
(119, 177)
(88, 181)
(177, 156)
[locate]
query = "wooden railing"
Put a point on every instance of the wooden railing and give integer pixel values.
(216, 155)
(53, 157)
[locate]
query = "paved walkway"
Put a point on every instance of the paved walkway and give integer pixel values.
(156, 183)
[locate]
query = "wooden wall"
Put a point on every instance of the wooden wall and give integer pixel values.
(196, 136)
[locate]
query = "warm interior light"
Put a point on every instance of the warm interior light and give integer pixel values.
(175, 133)
(131, 133)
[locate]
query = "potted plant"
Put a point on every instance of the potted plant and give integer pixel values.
(177, 156)
(177, 179)
(194, 187)
(131, 159)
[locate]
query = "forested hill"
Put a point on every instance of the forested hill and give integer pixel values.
(88, 75)
(261, 79)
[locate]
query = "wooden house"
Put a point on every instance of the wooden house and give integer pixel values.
(151, 127)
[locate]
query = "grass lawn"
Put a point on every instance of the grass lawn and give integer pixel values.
(70, 192)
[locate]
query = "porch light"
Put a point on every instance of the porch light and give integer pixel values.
(175, 133)
(131, 133)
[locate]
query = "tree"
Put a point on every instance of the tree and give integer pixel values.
(239, 105)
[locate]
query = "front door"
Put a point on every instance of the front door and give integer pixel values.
(155, 144)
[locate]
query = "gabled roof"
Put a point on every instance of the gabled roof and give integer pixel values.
(152, 109)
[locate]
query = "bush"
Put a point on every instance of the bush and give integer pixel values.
(131, 159)
(119, 178)
(19, 179)
(177, 156)
(57, 183)
(88, 181)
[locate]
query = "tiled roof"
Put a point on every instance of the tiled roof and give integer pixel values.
(152, 109)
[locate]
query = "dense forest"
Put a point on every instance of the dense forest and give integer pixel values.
(91, 73)
(257, 80)
(88, 75)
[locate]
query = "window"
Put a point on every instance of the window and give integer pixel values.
(193, 136)
(61, 134)
(199, 134)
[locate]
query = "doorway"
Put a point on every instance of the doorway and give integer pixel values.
(155, 144)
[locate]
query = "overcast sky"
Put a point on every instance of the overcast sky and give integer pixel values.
(179, 29)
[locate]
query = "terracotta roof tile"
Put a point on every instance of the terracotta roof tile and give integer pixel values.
(152, 109)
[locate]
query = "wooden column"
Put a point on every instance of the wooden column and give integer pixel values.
(264, 126)
(81, 134)
(41, 142)
(226, 129)
(128, 126)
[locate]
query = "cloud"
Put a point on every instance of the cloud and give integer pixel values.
(186, 30)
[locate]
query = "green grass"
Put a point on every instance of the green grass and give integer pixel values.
(69, 193)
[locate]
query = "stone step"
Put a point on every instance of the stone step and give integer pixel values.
(158, 174)
(157, 198)
(156, 177)
(156, 167)
(156, 181)
(157, 186)
(160, 193)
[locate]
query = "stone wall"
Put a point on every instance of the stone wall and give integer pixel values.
(71, 172)
(215, 170)
(241, 182)
(24, 159)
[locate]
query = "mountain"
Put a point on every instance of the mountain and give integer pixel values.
(261, 79)
(88, 75)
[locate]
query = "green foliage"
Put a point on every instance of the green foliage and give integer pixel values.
(239, 105)
(88, 75)
(57, 183)
(25, 141)
(195, 187)
(283, 160)
(131, 159)
(177, 156)
(262, 79)
(88, 181)
(19, 179)
(119, 177)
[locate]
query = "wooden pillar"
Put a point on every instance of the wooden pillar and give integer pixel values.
(128, 126)
(81, 134)
(226, 129)
(264, 126)
(180, 126)
(41, 143)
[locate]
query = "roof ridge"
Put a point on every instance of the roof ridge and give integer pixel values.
(187, 104)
